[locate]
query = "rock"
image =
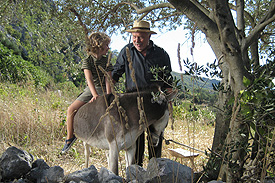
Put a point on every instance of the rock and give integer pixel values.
(38, 167)
(14, 163)
(52, 175)
(88, 175)
(42, 172)
(166, 170)
(106, 176)
(136, 172)
(17, 166)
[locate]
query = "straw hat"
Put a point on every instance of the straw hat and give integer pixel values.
(141, 26)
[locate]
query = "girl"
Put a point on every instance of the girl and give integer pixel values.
(97, 48)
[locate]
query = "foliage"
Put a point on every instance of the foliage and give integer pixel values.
(266, 42)
(52, 38)
(34, 32)
(15, 69)
(185, 110)
(200, 89)
(114, 15)
(258, 109)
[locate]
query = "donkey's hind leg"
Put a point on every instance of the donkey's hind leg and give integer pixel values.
(130, 155)
(87, 152)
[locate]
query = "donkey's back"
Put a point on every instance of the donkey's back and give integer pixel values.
(87, 124)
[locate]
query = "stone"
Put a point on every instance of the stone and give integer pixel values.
(166, 170)
(38, 168)
(88, 175)
(14, 163)
(106, 176)
(136, 172)
(52, 175)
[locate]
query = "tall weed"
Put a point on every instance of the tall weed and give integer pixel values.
(32, 117)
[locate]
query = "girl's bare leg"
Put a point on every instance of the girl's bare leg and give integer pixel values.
(72, 109)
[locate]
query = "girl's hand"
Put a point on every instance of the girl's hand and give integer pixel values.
(94, 98)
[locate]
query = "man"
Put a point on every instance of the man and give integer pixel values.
(144, 55)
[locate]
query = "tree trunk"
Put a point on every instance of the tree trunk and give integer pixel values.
(222, 37)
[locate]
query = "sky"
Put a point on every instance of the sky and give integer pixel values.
(169, 40)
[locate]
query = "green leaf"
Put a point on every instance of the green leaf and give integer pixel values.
(246, 81)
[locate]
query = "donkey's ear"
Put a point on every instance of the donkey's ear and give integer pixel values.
(171, 93)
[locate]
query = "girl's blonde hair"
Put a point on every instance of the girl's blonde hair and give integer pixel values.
(96, 41)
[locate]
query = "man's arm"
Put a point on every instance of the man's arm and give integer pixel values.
(119, 67)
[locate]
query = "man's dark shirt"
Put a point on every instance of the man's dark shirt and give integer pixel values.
(155, 57)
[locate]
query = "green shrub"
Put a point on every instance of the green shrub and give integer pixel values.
(15, 69)
(13, 32)
(200, 113)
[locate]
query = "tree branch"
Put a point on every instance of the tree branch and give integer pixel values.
(194, 12)
(203, 9)
(246, 14)
(153, 7)
(171, 15)
(268, 18)
(204, 21)
(143, 11)
(81, 23)
(240, 15)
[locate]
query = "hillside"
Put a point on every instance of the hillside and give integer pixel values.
(188, 82)
(47, 49)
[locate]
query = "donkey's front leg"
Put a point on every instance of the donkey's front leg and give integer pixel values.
(130, 155)
(113, 158)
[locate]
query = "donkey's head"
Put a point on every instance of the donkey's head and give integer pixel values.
(157, 128)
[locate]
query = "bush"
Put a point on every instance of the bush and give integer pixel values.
(15, 69)
(200, 113)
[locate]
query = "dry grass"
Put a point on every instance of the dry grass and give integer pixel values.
(192, 134)
(34, 121)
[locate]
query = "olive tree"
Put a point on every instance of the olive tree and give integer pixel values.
(234, 40)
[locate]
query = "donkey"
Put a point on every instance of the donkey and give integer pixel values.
(117, 127)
